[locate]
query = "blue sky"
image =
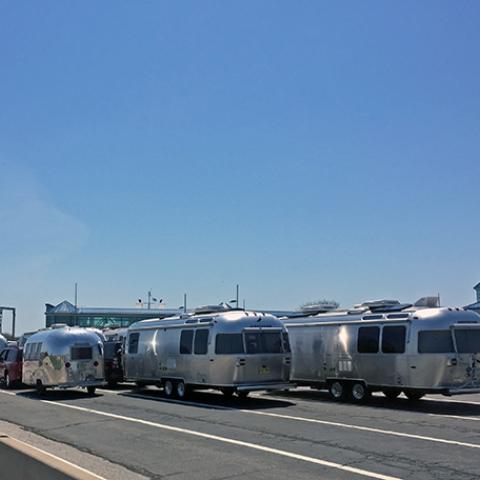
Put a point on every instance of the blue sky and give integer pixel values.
(301, 149)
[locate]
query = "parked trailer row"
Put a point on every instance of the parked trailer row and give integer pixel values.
(393, 349)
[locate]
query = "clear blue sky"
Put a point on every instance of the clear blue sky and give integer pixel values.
(303, 149)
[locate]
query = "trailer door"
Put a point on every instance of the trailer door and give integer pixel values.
(201, 359)
(394, 362)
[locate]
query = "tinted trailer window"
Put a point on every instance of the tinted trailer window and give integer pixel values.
(393, 339)
(263, 342)
(226, 343)
(435, 341)
(468, 340)
(368, 339)
(81, 353)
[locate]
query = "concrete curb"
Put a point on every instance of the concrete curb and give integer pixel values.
(21, 461)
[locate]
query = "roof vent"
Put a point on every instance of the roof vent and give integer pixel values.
(222, 307)
(427, 302)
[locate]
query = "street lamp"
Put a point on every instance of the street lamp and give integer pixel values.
(150, 300)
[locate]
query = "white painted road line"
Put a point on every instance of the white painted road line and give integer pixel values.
(313, 420)
(367, 429)
(254, 446)
(464, 402)
(475, 419)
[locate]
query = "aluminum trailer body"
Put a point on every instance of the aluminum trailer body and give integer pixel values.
(234, 351)
(418, 351)
(63, 358)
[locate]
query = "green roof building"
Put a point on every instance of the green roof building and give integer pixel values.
(101, 317)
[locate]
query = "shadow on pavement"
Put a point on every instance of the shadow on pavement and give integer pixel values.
(210, 399)
(58, 395)
(425, 405)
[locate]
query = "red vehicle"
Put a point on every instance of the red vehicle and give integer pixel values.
(11, 366)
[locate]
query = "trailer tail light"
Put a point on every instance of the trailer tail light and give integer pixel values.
(241, 362)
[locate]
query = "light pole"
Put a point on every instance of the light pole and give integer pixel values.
(150, 300)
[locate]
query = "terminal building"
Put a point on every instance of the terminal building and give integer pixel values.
(96, 317)
(475, 306)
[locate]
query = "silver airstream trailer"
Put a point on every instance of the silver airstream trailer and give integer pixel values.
(387, 347)
(63, 357)
(233, 350)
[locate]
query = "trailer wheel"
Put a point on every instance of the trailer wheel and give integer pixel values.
(91, 390)
(181, 389)
(168, 388)
(414, 395)
(360, 392)
(337, 390)
(391, 394)
(40, 388)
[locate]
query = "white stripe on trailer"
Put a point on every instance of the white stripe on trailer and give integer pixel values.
(254, 446)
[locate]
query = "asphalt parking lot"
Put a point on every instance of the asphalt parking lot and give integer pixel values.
(298, 434)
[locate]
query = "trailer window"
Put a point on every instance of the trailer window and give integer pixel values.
(201, 342)
(229, 343)
(263, 342)
(368, 339)
(32, 351)
(272, 342)
(186, 340)
(468, 340)
(133, 342)
(393, 339)
(435, 341)
(81, 353)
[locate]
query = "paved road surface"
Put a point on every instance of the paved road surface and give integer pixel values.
(299, 434)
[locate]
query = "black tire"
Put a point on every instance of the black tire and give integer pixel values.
(414, 395)
(391, 394)
(40, 388)
(181, 389)
(228, 391)
(243, 394)
(91, 390)
(337, 390)
(168, 388)
(359, 392)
